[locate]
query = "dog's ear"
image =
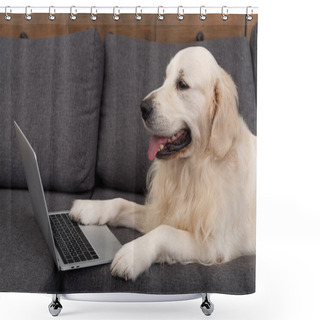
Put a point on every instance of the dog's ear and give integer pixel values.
(224, 120)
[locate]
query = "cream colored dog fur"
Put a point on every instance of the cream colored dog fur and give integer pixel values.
(201, 202)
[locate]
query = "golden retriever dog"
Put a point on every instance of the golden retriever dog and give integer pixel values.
(201, 201)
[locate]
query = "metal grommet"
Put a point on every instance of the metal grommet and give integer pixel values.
(93, 16)
(73, 13)
(52, 11)
(160, 15)
(180, 15)
(116, 16)
(224, 13)
(7, 10)
(203, 13)
(249, 17)
(138, 16)
(28, 13)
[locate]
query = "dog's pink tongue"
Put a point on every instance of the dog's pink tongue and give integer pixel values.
(154, 146)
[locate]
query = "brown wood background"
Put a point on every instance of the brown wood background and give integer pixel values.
(170, 30)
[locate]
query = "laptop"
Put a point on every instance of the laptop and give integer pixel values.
(71, 245)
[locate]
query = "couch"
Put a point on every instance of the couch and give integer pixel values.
(77, 100)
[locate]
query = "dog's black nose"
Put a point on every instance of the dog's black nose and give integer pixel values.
(146, 108)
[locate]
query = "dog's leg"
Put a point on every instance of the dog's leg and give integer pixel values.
(115, 212)
(162, 244)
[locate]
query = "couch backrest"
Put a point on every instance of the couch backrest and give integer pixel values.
(52, 88)
(82, 123)
(135, 67)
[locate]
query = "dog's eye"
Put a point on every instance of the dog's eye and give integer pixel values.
(182, 85)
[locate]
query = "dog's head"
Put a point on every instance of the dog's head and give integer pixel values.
(194, 111)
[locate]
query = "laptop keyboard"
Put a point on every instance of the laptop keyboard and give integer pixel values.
(71, 243)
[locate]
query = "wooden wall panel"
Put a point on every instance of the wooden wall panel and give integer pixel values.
(170, 30)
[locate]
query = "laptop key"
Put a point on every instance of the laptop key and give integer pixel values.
(88, 255)
(82, 257)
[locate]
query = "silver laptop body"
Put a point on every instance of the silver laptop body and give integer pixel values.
(100, 238)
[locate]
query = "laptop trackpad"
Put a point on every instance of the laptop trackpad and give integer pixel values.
(103, 241)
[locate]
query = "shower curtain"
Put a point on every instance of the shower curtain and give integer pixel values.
(74, 80)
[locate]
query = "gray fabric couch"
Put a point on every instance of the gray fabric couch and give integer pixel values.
(77, 100)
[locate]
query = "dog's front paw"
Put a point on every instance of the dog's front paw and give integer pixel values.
(87, 212)
(131, 260)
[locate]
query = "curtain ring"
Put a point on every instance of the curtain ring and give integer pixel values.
(73, 13)
(224, 13)
(203, 13)
(93, 16)
(28, 13)
(7, 10)
(180, 15)
(249, 17)
(138, 17)
(116, 16)
(52, 11)
(160, 15)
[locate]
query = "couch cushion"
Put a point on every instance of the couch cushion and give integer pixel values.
(234, 277)
(133, 68)
(106, 194)
(20, 235)
(52, 88)
(254, 51)
(25, 261)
